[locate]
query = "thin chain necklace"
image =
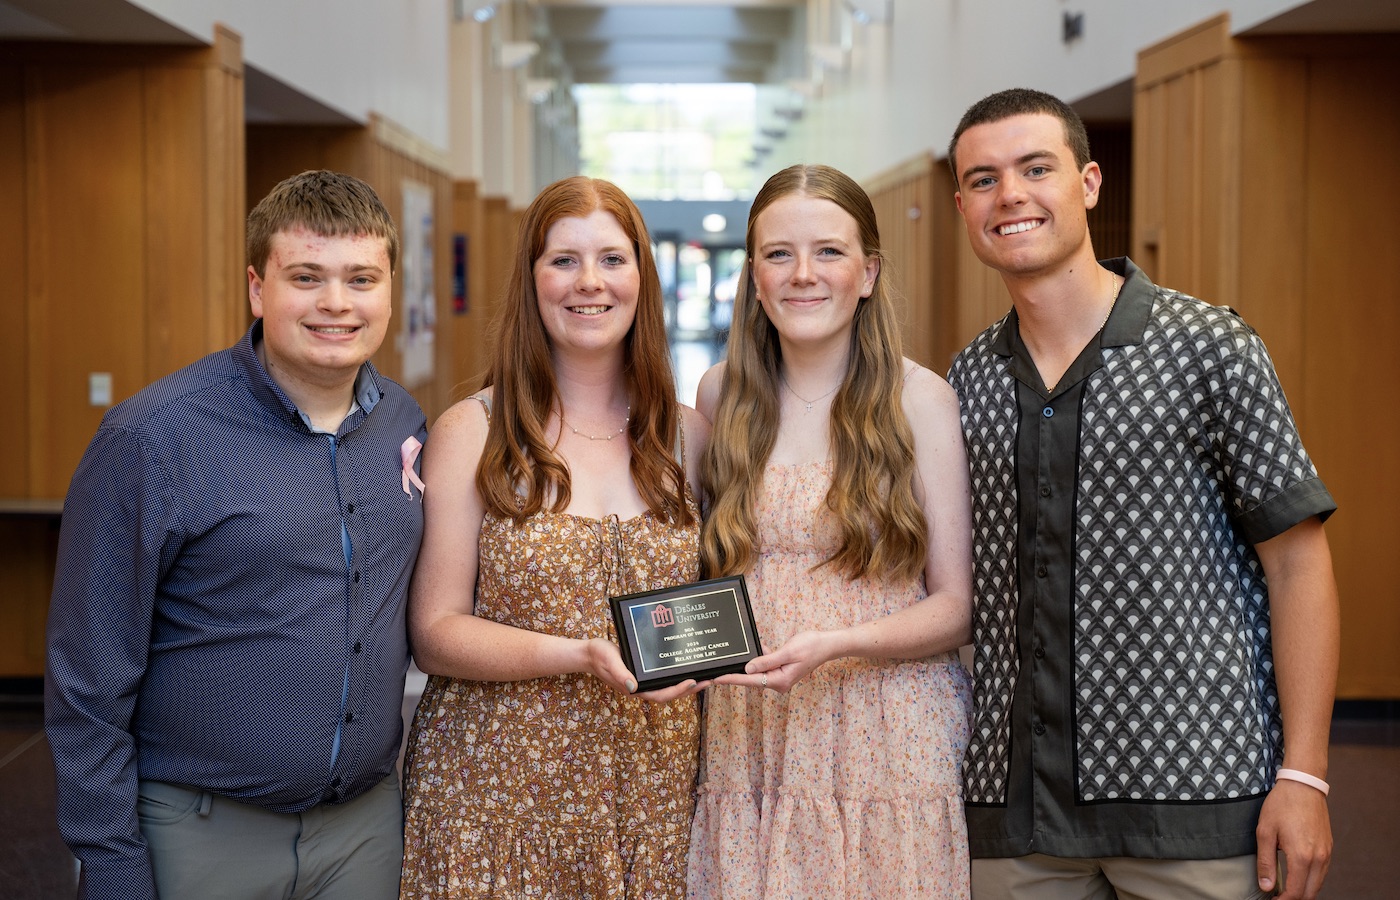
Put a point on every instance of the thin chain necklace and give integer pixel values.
(1117, 286)
(598, 437)
(804, 399)
(1112, 300)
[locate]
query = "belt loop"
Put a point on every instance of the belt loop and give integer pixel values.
(206, 800)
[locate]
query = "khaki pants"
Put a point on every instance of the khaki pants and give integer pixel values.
(1041, 877)
(212, 848)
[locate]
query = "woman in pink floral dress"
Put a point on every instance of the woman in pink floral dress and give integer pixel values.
(839, 486)
(534, 770)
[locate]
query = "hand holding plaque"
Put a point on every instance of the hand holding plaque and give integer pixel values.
(700, 630)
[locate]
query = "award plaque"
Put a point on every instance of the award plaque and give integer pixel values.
(697, 630)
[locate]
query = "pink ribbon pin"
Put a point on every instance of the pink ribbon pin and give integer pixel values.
(409, 451)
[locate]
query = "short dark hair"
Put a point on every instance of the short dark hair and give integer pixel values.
(1018, 102)
(331, 204)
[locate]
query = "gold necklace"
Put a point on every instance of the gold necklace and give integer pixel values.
(804, 399)
(1117, 286)
(1112, 301)
(598, 437)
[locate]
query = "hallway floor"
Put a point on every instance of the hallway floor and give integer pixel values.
(1365, 804)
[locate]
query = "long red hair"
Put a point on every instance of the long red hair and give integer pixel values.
(520, 472)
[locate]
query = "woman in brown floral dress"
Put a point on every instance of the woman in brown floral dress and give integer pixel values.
(534, 769)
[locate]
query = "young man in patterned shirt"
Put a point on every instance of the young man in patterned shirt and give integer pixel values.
(1156, 623)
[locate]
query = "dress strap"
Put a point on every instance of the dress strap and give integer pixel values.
(485, 401)
(679, 448)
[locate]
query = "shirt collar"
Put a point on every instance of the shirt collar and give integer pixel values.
(368, 391)
(1126, 322)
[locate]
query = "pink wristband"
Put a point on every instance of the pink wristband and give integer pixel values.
(1311, 781)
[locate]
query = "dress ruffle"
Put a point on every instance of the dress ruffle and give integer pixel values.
(848, 786)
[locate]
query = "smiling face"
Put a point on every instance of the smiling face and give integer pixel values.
(1022, 197)
(325, 305)
(809, 269)
(586, 282)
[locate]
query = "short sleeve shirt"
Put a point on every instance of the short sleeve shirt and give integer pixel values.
(1125, 702)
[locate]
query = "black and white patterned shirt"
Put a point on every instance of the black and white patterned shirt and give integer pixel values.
(1125, 702)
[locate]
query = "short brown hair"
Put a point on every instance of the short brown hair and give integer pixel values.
(328, 203)
(1019, 102)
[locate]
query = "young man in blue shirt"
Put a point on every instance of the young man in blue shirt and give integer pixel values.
(226, 641)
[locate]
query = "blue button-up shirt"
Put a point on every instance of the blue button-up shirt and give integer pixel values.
(228, 606)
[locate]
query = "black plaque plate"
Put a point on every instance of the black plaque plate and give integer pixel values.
(697, 630)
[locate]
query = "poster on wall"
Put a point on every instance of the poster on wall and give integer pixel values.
(417, 315)
(459, 274)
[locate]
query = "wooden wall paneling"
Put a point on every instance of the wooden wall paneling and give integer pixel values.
(916, 286)
(226, 186)
(1149, 178)
(86, 285)
(884, 205)
(469, 329)
(275, 152)
(923, 302)
(445, 374)
(194, 200)
(1195, 47)
(1240, 154)
(1220, 169)
(945, 233)
(498, 248)
(176, 248)
(1110, 222)
(1180, 262)
(901, 201)
(116, 226)
(28, 547)
(1351, 318)
(14, 338)
(982, 295)
(385, 174)
(1270, 199)
(396, 158)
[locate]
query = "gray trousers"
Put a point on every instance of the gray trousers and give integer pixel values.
(1125, 878)
(205, 847)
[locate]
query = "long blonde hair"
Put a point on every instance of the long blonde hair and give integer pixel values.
(883, 528)
(521, 373)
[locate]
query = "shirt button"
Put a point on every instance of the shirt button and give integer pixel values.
(1047, 412)
(1039, 729)
(1042, 572)
(357, 577)
(358, 648)
(349, 509)
(1045, 492)
(349, 717)
(1039, 652)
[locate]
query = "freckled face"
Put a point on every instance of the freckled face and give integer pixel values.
(1022, 197)
(586, 282)
(809, 268)
(324, 302)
